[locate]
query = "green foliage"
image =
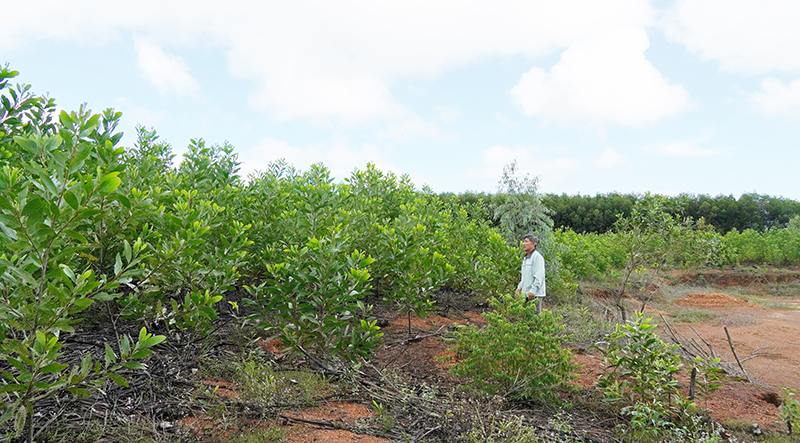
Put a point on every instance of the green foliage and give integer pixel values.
(21, 113)
(586, 214)
(518, 353)
(790, 411)
(313, 301)
(707, 375)
(271, 435)
(195, 261)
(411, 268)
(642, 366)
(597, 214)
(777, 247)
(499, 429)
(262, 385)
(589, 256)
(641, 382)
(523, 211)
(794, 223)
(646, 236)
(652, 240)
(54, 197)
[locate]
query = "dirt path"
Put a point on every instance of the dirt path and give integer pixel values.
(767, 341)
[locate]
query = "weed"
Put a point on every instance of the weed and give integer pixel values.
(787, 290)
(694, 315)
(261, 384)
(499, 429)
(271, 435)
(582, 324)
(790, 411)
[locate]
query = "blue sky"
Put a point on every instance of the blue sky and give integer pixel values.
(699, 96)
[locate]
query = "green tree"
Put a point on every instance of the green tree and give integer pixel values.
(648, 236)
(523, 211)
(314, 301)
(53, 197)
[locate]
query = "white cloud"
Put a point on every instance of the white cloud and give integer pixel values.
(685, 148)
(778, 98)
(337, 156)
(609, 159)
(749, 36)
(168, 73)
(331, 60)
(604, 80)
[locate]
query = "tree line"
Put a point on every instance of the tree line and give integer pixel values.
(597, 214)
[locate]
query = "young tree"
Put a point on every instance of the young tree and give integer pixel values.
(649, 237)
(523, 210)
(54, 195)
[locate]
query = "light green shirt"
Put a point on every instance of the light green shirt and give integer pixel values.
(533, 275)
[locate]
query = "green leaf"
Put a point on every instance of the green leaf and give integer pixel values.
(8, 232)
(13, 387)
(80, 391)
(152, 341)
(111, 357)
(117, 265)
(86, 364)
(141, 353)
(123, 200)
(83, 303)
(133, 365)
(104, 296)
(119, 380)
(125, 346)
(109, 184)
(75, 236)
(65, 119)
(71, 200)
(27, 144)
(53, 367)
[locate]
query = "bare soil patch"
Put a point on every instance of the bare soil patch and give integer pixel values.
(766, 341)
(712, 300)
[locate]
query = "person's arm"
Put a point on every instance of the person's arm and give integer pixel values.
(538, 274)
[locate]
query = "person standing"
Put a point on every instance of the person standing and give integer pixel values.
(532, 283)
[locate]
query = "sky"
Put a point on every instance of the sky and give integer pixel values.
(630, 96)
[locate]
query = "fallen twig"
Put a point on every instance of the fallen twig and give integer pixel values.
(324, 424)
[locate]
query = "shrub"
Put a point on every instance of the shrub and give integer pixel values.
(790, 411)
(54, 196)
(518, 353)
(313, 301)
(641, 383)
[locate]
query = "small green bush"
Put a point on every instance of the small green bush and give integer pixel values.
(517, 354)
(790, 411)
(641, 383)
